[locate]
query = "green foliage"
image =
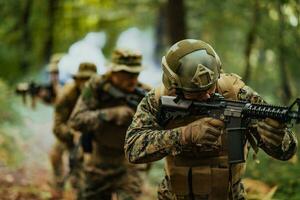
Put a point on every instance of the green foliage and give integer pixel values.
(10, 153)
(72, 20)
(274, 172)
(8, 113)
(225, 24)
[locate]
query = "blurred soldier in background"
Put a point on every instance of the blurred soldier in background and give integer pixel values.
(47, 93)
(104, 111)
(49, 96)
(63, 108)
(195, 147)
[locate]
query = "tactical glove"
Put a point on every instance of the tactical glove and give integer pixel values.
(271, 131)
(202, 131)
(121, 115)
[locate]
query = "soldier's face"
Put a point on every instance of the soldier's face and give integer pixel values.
(54, 77)
(80, 82)
(125, 80)
(200, 96)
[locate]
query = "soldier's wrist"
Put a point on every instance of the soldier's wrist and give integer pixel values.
(177, 141)
(104, 115)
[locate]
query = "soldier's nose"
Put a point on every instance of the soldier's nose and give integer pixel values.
(204, 97)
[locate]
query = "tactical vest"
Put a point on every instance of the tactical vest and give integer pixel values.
(108, 142)
(203, 173)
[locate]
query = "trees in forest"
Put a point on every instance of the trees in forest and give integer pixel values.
(252, 37)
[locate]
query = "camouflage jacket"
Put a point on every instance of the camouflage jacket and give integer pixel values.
(147, 141)
(88, 118)
(64, 106)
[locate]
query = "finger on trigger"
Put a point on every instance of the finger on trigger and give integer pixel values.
(216, 123)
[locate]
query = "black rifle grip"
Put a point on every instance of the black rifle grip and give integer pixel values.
(86, 142)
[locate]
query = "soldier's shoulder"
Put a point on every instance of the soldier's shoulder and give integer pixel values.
(229, 77)
(229, 85)
(68, 88)
(93, 86)
(98, 81)
(155, 94)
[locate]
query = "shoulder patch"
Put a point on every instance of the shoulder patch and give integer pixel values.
(229, 85)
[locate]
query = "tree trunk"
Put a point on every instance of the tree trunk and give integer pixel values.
(26, 41)
(285, 86)
(160, 33)
(49, 39)
(251, 40)
(176, 20)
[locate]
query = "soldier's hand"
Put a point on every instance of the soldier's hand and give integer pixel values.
(202, 131)
(271, 131)
(120, 115)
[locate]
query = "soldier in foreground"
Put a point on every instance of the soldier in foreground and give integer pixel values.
(197, 162)
(64, 134)
(104, 112)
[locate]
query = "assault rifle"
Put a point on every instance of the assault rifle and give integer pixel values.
(132, 99)
(237, 115)
(33, 90)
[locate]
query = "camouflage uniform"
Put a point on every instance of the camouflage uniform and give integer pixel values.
(64, 134)
(206, 168)
(107, 173)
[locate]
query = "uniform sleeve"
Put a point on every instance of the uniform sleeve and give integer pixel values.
(146, 141)
(62, 112)
(289, 144)
(86, 117)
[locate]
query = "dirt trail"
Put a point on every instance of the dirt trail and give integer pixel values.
(31, 180)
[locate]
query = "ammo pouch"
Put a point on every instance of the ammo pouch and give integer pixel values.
(206, 179)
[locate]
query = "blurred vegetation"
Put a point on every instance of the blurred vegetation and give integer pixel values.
(10, 153)
(256, 39)
(285, 175)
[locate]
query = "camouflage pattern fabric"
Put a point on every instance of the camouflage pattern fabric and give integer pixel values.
(147, 141)
(63, 108)
(111, 181)
(108, 173)
(56, 158)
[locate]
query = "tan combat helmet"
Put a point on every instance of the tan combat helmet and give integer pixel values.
(85, 70)
(126, 60)
(190, 65)
(53, 64)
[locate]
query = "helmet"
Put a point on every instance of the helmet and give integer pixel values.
(55, 58)
(85, 70)
(53, 64)
(126, 60)
(190, 65)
